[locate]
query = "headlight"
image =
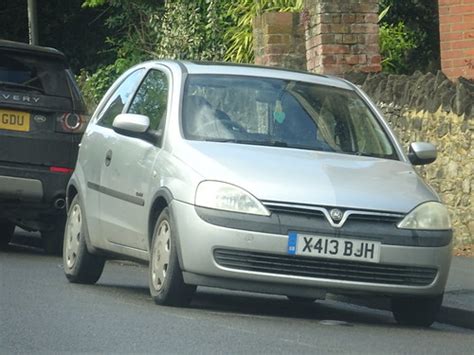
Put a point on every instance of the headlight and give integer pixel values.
(430, 215)
(222, 196)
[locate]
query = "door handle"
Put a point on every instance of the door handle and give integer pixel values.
(108, 157)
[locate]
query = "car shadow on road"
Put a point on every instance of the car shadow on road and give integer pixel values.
(225, 304)
(28, 243)
(246, 304)
(326, 312)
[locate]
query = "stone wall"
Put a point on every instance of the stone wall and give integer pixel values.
(431, 108)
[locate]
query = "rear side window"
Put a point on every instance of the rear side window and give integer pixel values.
(30, 73)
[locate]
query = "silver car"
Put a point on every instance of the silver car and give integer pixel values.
(256, 179)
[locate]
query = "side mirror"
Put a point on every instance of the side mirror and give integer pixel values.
(421, 153)
(131, 124)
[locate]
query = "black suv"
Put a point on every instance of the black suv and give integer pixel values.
(42, 118)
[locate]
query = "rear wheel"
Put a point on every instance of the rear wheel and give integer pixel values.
(7, 229)
(80, 266)
(165, 279)
(417, 311)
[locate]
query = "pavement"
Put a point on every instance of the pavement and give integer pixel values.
(458, 302)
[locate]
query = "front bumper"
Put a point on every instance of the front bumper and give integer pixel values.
(200, 243)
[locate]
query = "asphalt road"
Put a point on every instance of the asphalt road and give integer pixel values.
(40, 312)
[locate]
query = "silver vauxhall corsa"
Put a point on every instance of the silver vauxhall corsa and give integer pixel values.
(256, 179)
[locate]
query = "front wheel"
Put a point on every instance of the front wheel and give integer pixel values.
(165, 278)
(416, 311)
(6, 233)
(80, 266)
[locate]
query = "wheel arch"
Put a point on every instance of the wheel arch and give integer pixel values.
(72, 191)
(163, 198)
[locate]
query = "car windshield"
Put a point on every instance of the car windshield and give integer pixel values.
(284, 113)
(20, 72)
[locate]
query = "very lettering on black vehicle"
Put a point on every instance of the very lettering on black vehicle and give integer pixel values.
(334, 248)
(20, 98)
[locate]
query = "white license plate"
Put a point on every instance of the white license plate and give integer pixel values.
(333, 248)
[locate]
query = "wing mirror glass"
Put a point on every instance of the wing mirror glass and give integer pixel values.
(421, 153)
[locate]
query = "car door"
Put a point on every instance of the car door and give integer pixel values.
(126, 179)
(97, 141)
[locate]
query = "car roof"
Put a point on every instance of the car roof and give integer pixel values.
(221, 68)
(32, 49)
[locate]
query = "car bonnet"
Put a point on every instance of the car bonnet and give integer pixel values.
(311, 177)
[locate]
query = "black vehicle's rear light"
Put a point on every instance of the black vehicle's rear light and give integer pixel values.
(71, 123)
(59, 169)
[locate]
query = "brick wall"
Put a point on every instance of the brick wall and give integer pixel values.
(456, 21)
(279, 40)
(342, 36)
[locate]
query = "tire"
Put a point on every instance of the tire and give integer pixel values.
(52, 240)
(7, 229)
(302, 300)
(164, 273)
(80, 266)
(416, 311)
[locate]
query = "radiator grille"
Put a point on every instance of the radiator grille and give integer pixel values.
(318, 212)
(325, 268)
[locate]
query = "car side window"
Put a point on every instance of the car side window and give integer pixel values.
(151, 98)
(119, 99)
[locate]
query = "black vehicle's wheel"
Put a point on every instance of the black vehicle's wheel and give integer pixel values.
(165, 277)
(416, 311)
(52, 240)
(298, 299)
(80, 266)
(6, 233)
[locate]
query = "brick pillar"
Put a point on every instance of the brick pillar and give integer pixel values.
(342, 36)
(279, 40)
(456, 32)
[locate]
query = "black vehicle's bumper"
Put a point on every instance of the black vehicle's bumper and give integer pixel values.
(28, 189)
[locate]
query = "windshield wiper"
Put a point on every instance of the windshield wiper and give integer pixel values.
(272, 143)
(20, 86)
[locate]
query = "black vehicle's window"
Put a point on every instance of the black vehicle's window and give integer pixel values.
(119, 98)
(151, 98)
(33, 73)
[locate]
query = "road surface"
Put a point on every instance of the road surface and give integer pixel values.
(40, 312)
